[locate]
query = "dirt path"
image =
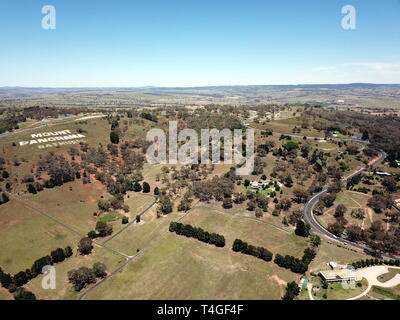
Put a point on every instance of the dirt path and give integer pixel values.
(309, 289)
(369, 211)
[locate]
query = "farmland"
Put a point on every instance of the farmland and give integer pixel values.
(101, 190)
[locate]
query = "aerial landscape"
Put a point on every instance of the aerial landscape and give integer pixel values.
(163, 178)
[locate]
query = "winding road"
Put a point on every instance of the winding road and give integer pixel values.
(309, 206)
(318, 228)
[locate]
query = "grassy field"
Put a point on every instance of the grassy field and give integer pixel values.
(336, 291)
(73, 207)
(5, 295)
(286, 126)
(138, 202)
(140, 235)
(96, 131)
(332, 251)
(327, 146)
(388, 276)
(175, 267)
(352, 200)
(64, 289)
(26, 236)
(385, 293)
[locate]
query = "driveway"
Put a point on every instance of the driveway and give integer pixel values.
(372, 274)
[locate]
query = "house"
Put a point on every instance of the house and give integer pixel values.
(380, 173)
(397, 203)
(258, 185)
(336, 266)
(342, 275)
(255, 185)
(303, 283)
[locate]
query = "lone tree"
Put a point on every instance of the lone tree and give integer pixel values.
(146, 187)
(114, 137)
(99, 270)
(227, 203)
(137, 187)
(103, 228)
(32, 189)
(302, 229)
(85, 246)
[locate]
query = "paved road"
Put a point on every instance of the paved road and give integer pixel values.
(318, 228)
(134, 220)
(308, 209)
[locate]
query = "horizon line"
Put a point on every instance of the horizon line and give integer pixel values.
(199, 86)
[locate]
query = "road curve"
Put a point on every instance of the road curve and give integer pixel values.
(308, 214)
(318, 228)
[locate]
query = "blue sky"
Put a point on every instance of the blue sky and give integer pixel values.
(193, 43)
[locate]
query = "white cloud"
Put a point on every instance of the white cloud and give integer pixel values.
(372, 66)
(376, 72)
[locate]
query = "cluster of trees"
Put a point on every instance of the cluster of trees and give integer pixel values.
(102, 229)
(382, 131)
(259, 252)
(11, 121)
(58, 168)
(39, 112)
(115, 203)
(23, 294)
(217, 188)
(197, 233)
(79, 278)
(257, 200)
(375, 262)
(294, 264)
(376, 237)
(380, 202)
(165, 205)
(149, 116)
(21, 278)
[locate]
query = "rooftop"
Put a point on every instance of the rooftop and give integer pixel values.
(337, 274)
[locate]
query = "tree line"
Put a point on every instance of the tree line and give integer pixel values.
(23, 277)
(259, 252)
(197, 233)
(375, 262)
(294, 264)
